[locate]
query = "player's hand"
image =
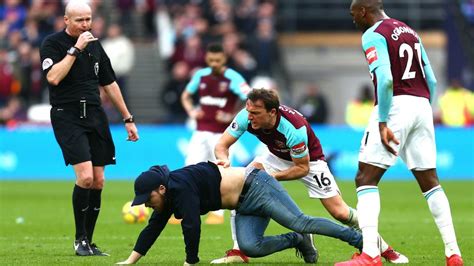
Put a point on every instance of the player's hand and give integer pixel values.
(132, 132)
(196, 113)
(84, 39)
(125, 262)
(223, 162)
(223, 117)
(387, 136)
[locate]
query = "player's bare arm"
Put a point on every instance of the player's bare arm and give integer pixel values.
(221, 150)
(387, 136)
(60, 70)
(298, 170)
(187, 102)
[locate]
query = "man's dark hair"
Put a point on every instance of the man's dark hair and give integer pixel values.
(269, 98)
(215, 48)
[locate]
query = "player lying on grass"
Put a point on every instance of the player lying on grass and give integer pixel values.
(256, 196)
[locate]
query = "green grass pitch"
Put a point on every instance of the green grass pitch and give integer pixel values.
(46, 235)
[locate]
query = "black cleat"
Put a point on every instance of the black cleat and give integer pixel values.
(96, 251)
(306, 249)
(82, 247)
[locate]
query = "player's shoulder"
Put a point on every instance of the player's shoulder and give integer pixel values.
(371, 34)
(290, 117)
(203, 72)
(232, 74)
(56, 37)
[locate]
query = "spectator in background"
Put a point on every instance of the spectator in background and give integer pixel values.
(191, 52)
(122, 55)
(358, 111)
(14, 14)
(456, 106)
(124, 8)
(172, 93)
(313, 105)
(10, 105)
(264, 47)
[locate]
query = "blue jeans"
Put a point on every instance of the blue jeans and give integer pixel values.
(266, 199)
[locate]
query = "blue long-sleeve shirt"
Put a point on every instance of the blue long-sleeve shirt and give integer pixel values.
(192, 191)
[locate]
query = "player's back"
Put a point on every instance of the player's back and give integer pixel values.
(405, 53)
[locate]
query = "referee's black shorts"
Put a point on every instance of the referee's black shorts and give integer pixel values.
(83, 139)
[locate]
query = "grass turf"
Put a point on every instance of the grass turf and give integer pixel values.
(46, 235)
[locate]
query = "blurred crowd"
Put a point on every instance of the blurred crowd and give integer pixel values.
(182, 29)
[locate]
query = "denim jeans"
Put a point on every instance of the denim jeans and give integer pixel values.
(266, 199)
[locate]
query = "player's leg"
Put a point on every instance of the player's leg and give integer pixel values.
(102, 151)
(439, 206)
(420, 157)
(80, 203)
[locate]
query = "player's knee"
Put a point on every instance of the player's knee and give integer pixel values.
(85, 181)
(250, 248)
(98, 184)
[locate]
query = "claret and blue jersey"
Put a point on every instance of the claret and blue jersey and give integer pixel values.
(397, 62)
(217, 92)
(291, 137)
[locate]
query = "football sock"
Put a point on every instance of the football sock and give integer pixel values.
(439, 207)
(353, 222)
(93, 211)
(232, 229)
(368, 209)
(80, 204)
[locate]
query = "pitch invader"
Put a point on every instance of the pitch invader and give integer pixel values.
(401, 124)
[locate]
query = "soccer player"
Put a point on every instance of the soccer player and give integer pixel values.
(256, 196)
(401, 124)
(294, 152)
(221, 91)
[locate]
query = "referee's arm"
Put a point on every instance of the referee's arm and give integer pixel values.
(115, 95)
(113, 92)
(59, 70)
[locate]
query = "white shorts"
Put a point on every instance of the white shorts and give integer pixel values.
(201, 147)
(411, 121)
(319, 181)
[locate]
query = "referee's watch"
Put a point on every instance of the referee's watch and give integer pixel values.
(129, 120)
(74, 51)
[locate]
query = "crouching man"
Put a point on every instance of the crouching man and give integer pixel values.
(257, 197)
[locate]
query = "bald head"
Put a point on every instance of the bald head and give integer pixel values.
(77, 6)
(77, 17)
(366, 13)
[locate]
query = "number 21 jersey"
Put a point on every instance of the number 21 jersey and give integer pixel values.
(392, 42)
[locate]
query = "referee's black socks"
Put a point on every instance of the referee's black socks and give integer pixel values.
(80, 204)
(93, 211)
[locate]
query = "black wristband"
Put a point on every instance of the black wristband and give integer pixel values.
(129, 120)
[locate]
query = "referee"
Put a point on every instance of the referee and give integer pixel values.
(75, 66)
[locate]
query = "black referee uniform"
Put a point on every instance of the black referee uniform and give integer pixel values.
(79, 122)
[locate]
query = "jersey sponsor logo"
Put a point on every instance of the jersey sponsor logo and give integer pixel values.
(371, 55)
(298, 148)
(223, 86)
(234, 126)
(47, 63)
(213, 101)
(96, 69)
